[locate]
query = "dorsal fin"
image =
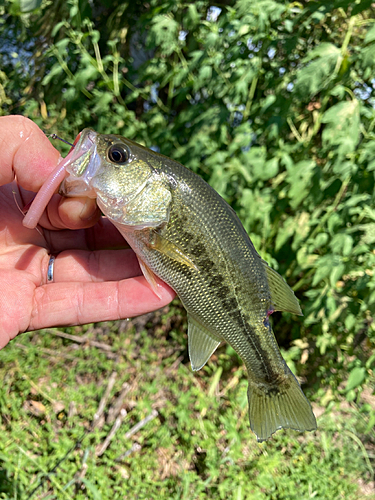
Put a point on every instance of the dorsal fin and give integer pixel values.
(282, 296)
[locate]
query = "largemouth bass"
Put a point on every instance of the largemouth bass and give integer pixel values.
(183, 232)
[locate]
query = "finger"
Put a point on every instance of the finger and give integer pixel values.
(102, 236)
(83, 266)
(77, 213)
(12, 232)
(70, 213)
(25, 153)
(68, 304)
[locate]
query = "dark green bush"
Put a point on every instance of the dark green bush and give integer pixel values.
(271, 102)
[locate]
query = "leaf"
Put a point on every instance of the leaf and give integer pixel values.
(342, 244)
(320, 240)
(369, 230)
(285, 232)
(211, 40)
(263, 11)
(57, 27)
(165, 33)
(192, 18)
(370, 35)
(267, 102)
(62, 45)
(299, 178)
(29, 5)
(344, 168)
(270, 170)
(255, 159)
(368, 57)
(342, 128)
(324, 266)
(244, 30)
(84, 76)
(322, 51)
(320, 65)
(336, 273)
(369, 212)
(356, 377)
(350, 321)
(205, 73)
(55, 70)
(359, 7)
(96, 495)
(244, 77)
(103, 102)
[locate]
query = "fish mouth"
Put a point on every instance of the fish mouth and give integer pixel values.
(81, 167)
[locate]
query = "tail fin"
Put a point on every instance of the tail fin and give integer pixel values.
(283, 407)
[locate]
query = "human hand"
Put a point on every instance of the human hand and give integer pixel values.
(91, 283)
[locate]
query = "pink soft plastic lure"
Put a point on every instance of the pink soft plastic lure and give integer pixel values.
(47, 190)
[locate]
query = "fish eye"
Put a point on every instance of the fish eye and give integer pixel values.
(118, 154)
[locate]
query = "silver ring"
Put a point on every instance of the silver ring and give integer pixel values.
(51, 264)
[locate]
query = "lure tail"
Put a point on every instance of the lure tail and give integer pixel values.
(284, 406)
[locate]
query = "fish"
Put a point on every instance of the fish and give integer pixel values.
(185, 233)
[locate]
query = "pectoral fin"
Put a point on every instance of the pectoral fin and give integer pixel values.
(282, 296)
(202, 344)
(171, 250)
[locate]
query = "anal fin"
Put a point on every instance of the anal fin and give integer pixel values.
(202, 344)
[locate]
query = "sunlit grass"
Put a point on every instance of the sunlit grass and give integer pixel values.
(195, 442)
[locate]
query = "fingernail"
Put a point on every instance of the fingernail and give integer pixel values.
(89, 209)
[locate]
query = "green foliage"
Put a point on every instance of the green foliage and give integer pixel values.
(271, 102)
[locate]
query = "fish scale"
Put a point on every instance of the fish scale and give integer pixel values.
(186, 234)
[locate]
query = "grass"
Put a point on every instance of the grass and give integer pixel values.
(71, 400)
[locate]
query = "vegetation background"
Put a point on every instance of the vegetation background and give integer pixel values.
(272, 102)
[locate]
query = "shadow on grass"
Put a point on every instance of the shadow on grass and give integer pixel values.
(7, 484)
